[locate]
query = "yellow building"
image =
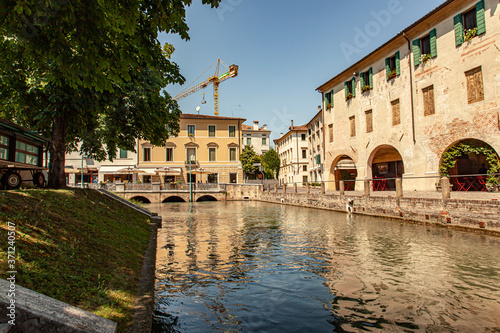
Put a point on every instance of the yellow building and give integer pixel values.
(212, 145)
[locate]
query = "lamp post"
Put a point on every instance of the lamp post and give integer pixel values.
(81, 179)
(191, 158)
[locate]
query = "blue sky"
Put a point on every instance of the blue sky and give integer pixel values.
(285, 49)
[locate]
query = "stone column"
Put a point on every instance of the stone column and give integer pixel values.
(308, 188)
(275, 188)
(156, 186)
(268, 188)
(341, 187)
(120, 187)
(284, 188)
(294, 187)
(399, 188)
(323, 190)
(367, 188)
(445, 187)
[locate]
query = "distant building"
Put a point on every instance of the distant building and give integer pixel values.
(431, 88)
(315, 146)
(293, 154)
(256, 137)
(209, 145)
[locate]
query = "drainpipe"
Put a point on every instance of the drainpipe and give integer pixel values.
(411, 87)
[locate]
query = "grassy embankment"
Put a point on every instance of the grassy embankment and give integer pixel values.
(77, 246)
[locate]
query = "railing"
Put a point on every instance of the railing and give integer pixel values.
(150, 187)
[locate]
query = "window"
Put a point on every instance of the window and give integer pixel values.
(233, 178)
(303, 136)
(211, 131)
(304, 179)
(350, 89)
(212, 178)
(424, 48)
(211, 154)
(304, 168)
(396, 114)
(352, 122)
(190, 130)
(428, 94)
(146, 154)
(328, 100)
(191, 155)
(232, 131)
(304, 153)
(264, 141)
(369, 121)
(169, 154)
(318, 159)
(475, 92)
(392, 66)
(330, 132)
(123, 153)
(26, 153)
(249, 141)
(469, 24)
(232, 154)
(366, 80)
(4, 147)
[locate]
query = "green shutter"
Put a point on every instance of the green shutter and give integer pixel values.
(326, 101)
(433, 37)
(398, 64)
(481, 24)
(459, 30)
(416, 52)
(370, 75)
(331, 97)
(387, 68)
(353, 86)
(361, 80)
(318, 159)
(346, 88)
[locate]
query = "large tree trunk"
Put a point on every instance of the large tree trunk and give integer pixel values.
(57, 150)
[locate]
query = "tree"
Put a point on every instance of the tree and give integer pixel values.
(90, 72)
(271, 163)
(248, 157)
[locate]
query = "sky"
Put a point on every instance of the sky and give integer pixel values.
(285, 49)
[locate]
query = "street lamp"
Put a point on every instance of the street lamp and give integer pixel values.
(191, 158)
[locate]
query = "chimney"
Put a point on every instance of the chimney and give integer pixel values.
(319, 108)
(292, 122)
(281, 135)
(255, 125)
(264, 127)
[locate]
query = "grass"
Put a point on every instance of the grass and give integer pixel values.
(77, 246)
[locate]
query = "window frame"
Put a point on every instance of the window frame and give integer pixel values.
(215, 154)
(171, 155)
(189, 127)
(148, 154)
(235, 154)
(215, 131)
(229, 131)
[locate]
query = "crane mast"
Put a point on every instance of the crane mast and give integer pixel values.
(214, 79)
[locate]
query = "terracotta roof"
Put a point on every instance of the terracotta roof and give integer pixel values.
(245, 127)
(204, 116)
(298, 128)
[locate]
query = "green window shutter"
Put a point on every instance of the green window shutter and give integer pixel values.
(326, 100)
(361, 80)
(459, 29)
(481, 24)
(346, 88)
(353, 85)
(398, 64)
(433, 37)
(416, 51)
(331, 97)
(387, 68)
(370, 75)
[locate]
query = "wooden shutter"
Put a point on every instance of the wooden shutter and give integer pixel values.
(370, 76)
(416, 51)
(361, 80)
(475, 91)
(396, 112)
(353, 87)
(387, 67)
(331, 97)
(398, 64)
(433, 38)
(428, 94)
(459, 29)
(346, 88)
(481, 24)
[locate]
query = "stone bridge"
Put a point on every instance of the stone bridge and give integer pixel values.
(172, 196)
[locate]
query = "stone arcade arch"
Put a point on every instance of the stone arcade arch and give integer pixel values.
(385, 163)
(206, 198)
(141, 199)
(343, 168)
(173, 198)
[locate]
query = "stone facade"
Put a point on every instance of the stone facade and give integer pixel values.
(400, 122)
(255, 136)
(293, 153)
(316, 145)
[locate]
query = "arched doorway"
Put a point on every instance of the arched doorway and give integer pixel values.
(173, 199)
(141, 199)
(468, 163)
(344, 168)
(206, 198)
(386, 165)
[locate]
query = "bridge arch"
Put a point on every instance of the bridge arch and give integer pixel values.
(141, 199)
(206, 198)
(173, 198)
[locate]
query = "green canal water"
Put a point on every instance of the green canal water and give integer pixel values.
(258, 267)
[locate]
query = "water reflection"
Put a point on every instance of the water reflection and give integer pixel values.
(255, 267)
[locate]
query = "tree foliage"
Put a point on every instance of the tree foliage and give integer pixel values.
(248, 157)
(90, 73)
(271, 163)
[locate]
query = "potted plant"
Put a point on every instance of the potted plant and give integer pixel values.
(348, 96)
(424, 58)
(470, 33)
(392, 74)
(365, 88)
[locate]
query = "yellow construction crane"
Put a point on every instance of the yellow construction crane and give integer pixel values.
(214, 79)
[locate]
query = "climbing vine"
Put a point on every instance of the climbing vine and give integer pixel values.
(449, 159)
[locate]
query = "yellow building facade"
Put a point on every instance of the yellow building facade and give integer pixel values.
(208, 145)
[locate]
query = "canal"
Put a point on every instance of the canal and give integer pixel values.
(259, 267)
